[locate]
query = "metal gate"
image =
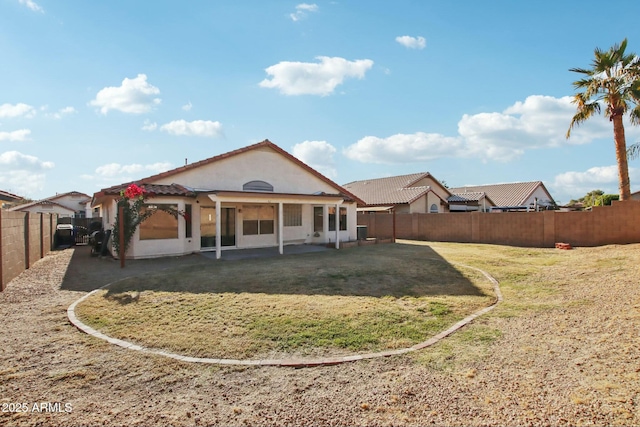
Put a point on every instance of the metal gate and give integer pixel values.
(82, 227)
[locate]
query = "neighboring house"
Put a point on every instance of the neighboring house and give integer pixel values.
(472, 201)
(257, 196)
(413, 193)
(635, 196)
(71, 204)
(517, 196)
(8, 200)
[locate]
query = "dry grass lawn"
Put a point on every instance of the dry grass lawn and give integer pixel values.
(361, 299)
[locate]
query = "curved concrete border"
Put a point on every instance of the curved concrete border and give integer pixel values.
(298, 363)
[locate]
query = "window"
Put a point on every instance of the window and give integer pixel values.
(318, 217)
(292, 215)
(433, 208)
(160, 225)
(332, 218)
(257, 220)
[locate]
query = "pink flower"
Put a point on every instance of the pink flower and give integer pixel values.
(133, 191)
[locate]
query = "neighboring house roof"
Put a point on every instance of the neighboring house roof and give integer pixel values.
(146, 182)
(471, 196)
(8, 197)
(44, 202)
(52, 199)
(511, 194)
(69, 193)
(392, 190)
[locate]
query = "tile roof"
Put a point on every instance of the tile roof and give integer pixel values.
(153, 189)
(70, 193)
(512, 194)
(471, 196)
(5, 195)
(389, 191)
(44, 202)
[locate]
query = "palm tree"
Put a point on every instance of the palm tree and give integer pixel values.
(614, 82)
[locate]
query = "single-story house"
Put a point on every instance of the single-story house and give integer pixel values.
(635, 196)
(413, 193)
(517, 196)
(70, 204)
(256, 196)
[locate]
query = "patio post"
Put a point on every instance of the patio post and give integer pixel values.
(280, 228)
(121, 235)
(218, 229)
(337, 225)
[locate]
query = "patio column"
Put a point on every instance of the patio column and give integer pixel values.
(218, 230)
(338, 226)
(280, 228)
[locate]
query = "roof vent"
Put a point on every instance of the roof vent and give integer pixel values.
(257, 186)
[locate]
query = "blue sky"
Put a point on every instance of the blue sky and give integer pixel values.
(94, 94)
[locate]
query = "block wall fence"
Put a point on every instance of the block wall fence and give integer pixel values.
(603, 225)
(24, 239)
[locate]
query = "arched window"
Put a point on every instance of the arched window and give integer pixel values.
(433, 208)
(257, 186)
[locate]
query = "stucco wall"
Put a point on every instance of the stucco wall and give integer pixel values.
(262, 164)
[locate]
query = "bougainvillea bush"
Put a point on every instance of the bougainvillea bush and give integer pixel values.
(132, 201)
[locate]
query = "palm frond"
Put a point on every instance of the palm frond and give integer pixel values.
(633, 152)
(585, 111)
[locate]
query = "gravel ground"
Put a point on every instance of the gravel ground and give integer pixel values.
(575, 363)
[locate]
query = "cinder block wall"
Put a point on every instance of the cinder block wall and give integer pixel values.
(24, 239)
(615, 224)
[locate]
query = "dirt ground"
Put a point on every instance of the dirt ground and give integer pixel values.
(573, 364)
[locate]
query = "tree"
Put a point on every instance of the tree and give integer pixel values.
(589, 199)
(614, 81)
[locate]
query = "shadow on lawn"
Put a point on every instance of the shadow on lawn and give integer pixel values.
(86, 273)
(394, 270)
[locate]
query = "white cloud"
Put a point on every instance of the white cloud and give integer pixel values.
(149, 126)
(194, 128)
(113, 170)
(575, 184)
(318, 155)
(402, 148)
(17, 160)
(593, 178)
(17, 110)
(132, 96)
(62, 112)
(302, 10)
(412, 42)
(22, 173)
(16, 135)
(32, 5)
(538, 122)
(306, 78)
(187, 107)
